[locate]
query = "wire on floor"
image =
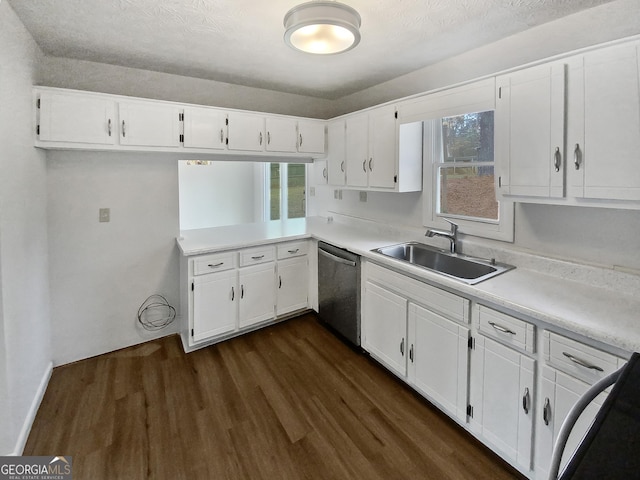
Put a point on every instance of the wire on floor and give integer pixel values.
(155, 313)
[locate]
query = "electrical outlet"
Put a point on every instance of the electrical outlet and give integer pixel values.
(104, 215)
(312, 191)
(363, 196)
(335, 194)
(339, 194)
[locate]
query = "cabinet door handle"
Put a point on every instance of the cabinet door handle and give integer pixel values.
(233, 294)
(364, 165)
(402, 347)
(526, 401)
(342, 166)
(241, 292)
(300, 139)
(411, 353)
(260, 138)
(124, 130)
(279, 281)
(546, 411)
(371, 164)
(215, 265)
(502, 329)
(293, 251)
(221, 135)
(258, 257)
(557, 159)
(582, 363)
(577, 156)
(268, 138)
(109, 127)
(324, 173)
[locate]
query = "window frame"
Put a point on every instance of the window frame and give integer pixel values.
(284, 191)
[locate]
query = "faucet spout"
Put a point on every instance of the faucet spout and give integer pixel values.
(451, 235)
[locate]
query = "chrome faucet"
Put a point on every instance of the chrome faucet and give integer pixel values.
(452, 235)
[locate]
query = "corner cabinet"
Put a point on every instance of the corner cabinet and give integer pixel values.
(71, 119)
(229, 293)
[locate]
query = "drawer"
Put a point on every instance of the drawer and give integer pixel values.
(435, 299)
(577, 359)
(506, 329)
(214, 263)
(292, 249)
(253, 256)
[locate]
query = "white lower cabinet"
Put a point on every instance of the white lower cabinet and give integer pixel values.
(230, 292)
(439, 359)
(501, 399)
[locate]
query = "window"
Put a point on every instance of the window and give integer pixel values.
(285, 191)
(459, 176)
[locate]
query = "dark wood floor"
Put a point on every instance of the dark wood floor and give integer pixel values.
(287, 402)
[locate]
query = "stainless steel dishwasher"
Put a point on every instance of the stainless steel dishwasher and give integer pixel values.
(339, 290)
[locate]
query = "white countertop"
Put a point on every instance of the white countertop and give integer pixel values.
(594, 313)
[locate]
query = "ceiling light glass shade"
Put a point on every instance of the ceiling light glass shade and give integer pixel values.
(322, 27)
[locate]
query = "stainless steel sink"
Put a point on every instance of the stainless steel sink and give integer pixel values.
(467, 269)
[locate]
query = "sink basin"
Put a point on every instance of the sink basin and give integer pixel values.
(467, 269)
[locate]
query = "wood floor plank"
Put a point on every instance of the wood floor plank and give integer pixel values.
(289, 402)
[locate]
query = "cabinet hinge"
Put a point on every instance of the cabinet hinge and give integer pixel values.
(499, 92)
(192, 287)
(469, 411)
(396, 114)
(181, 139)
(38, 103)
(38, 129)
(471, 343)
(192, 332)
(226, 121)
(181, 117)
(395, 179)
(227, 141)
(499, 182)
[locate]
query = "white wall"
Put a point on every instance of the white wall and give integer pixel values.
(100, 273)
(220, 193)
(25, 350)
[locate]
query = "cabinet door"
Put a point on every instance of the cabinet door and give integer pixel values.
(336, 165)
(77, 118)
(384, 327)
(501, 396)
(246, 132)
(320, 172)
(148, 124)
(439, 359)
(281, 134)
(383, 150)
(606, 92)
(214, 306)
(357, 150)
(204, 128)
(559, 392)
(257, 294)
(530, 113)
(293, 285)
(311, 137)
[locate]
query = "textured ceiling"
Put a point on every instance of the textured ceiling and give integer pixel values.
(240, 41)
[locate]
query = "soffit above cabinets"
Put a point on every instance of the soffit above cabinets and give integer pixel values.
(241, 41)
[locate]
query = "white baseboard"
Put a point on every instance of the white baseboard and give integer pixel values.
(33, 410)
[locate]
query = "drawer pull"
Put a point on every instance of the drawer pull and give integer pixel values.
(293, 251)
(582, 363)
(526, 401)
(233, 294)
(241, 291)
(502, 329)
(546, 411)
(259, 257)
(216, 265)
(109, 126)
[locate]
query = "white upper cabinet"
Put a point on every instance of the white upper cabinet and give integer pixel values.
(205, 128)
(83, 119)
(246, 132)
(281, 134)
(336, 151)
(311, 136)
(383, 147)
(149, 124)
(604, 124)
(529, 122)
(357, 150)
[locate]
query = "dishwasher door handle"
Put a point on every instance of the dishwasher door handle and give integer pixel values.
(335, 258)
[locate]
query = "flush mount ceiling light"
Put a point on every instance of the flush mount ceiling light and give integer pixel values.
(322, 27)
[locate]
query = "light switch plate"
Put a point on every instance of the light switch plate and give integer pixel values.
(363, 196)
(104, 215)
